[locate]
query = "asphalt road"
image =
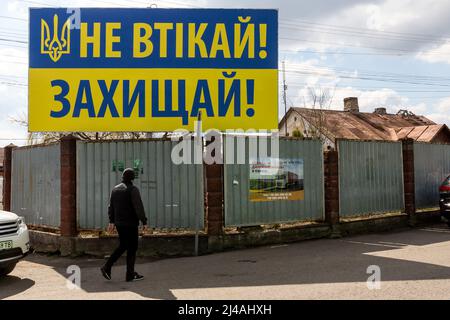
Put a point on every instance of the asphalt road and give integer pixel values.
(414, 264)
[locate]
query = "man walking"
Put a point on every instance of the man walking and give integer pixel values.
(125, 211)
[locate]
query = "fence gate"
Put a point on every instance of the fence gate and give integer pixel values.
(36, 184)
(255, 194)
(171, 193)
(370, 177)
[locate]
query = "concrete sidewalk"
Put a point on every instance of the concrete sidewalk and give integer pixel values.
(415, 264)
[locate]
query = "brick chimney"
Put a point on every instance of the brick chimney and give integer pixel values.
(351, 104)
(380, 110)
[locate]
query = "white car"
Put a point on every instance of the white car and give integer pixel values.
(14, 241)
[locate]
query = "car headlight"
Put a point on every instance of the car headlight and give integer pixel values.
(21, 222)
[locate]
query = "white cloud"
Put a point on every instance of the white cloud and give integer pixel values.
(444, 105)
(440, 118)
(410, 26)
(368, 99)
(436, 54)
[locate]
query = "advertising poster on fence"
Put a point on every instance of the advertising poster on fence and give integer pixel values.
(276, 179)
(105, 69)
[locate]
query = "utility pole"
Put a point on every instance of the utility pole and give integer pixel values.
(284, 99)
(199, 144)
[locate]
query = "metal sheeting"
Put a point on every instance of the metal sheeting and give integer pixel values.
(171, 193)
(36, 184)
(240, 211)
(370, 177)
(431, 167)
(1, 192)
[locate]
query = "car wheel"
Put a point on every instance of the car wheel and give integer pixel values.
(6, 270)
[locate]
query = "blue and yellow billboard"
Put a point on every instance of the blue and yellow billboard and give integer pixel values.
(150, 69)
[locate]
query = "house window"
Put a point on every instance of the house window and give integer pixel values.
(295, 119)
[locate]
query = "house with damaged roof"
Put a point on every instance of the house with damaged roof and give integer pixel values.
(329, 125)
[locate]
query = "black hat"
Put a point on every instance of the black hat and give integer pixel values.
(128, 175)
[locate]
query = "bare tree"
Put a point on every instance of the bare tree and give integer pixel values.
(319, 99)
(49, 137)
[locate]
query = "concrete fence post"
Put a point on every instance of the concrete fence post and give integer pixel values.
(7, 169)
(331, 180)
(408, 180)
(69, 227)
(214, 199)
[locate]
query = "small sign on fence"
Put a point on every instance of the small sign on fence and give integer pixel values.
(276, 179)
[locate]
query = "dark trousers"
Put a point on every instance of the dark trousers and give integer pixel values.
(128, 237)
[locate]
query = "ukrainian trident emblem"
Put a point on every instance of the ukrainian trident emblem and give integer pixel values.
(55, 46)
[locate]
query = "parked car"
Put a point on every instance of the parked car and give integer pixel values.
(14, 241)
(444, 199)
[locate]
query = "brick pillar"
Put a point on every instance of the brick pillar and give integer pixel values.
(7, 168)
(214, 199)
(68, 186)
(331, 180)
(408, 178)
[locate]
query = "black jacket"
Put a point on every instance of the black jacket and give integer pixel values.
(125, 206)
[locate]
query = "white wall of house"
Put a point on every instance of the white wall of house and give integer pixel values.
(297, 122)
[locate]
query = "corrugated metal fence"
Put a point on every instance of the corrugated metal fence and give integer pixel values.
(171, 193)
(370, 177)
(431, 167)
(36, 184)
(240, 211)
(1, 192)
(370, 181)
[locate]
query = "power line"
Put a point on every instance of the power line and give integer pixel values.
(12, 40)
(360, 46)
(182, 3)
(10, 37)
(11, 45)
(372, 73)
(6, 31)
(13, 83)
(365, 78)
(343, 87)
(12, 55)
(342, 27)
(15, 62)
(300, 84)
(13, 18)
(12, 76)
(345, 53)
(365, 36)
(24, 139)
(35, 2)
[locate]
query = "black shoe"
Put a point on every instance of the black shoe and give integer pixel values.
(106, 272)
(135, 277)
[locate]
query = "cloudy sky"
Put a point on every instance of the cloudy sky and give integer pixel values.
(388, 53)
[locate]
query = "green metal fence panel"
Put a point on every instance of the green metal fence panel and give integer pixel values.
(36, 184)
(171, 193)
(431, 167)
(240, 210)
(1, 192)
(370, 177)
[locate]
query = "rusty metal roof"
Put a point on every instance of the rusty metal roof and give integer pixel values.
(419, 133)
(369, 126)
